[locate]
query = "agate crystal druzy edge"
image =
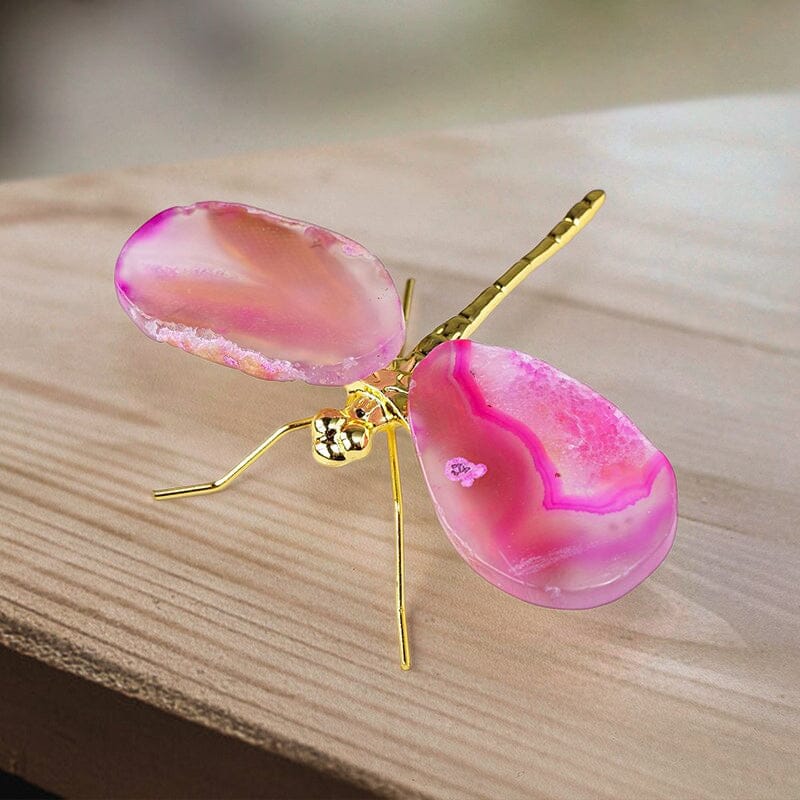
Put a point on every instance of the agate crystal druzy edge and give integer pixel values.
(546, 489)
(271, 296)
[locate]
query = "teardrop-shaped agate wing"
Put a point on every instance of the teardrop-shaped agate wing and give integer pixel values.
(546, 489)
(271, 296)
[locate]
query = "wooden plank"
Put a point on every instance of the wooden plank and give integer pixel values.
(93, 741)
(264, 613)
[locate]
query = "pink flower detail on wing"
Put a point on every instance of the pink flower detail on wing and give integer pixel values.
(464, 471)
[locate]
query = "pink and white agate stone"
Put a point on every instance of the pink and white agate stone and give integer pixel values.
(271, 296)
(573, 506)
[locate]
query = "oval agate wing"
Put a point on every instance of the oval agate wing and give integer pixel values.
(271, 296)
(545, 488)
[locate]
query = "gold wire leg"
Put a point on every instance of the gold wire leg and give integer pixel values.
(221, 483)
(408, 296)
(400, 592)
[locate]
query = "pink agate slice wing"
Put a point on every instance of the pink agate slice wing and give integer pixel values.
(271, 296)
(566, 504)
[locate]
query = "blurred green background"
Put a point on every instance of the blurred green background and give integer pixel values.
(96, 84)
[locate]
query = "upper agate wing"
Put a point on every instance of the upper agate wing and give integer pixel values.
(544, 487)
(271, 296)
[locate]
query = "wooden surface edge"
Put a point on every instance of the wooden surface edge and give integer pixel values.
(56, 731)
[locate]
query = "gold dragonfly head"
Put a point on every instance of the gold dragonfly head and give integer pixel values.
(340, 436)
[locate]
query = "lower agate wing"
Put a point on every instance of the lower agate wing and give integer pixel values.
(271, 296)
(545, 488)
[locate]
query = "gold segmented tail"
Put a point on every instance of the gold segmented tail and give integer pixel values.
(465, 323)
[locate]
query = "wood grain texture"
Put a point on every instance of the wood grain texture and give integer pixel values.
(265, 612)
(93, 741)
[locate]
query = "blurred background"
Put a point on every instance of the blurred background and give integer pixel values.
(98, 84)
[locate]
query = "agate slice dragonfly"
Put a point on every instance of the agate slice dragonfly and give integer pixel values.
(545, 488)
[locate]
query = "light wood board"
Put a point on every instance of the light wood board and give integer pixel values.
(265, 612)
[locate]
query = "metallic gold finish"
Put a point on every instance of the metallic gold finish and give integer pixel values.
(379, 403)
(408, 297)
(340, 436)
(473, 315)
(221, 483)
(400, 591)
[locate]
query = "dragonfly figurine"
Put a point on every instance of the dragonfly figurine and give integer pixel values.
(544, 487)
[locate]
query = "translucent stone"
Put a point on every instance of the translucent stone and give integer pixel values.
(565, 503)
(271, 296)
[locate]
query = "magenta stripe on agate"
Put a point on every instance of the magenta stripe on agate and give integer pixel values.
(614, 499)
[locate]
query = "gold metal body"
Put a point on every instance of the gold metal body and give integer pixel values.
(379, 402)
